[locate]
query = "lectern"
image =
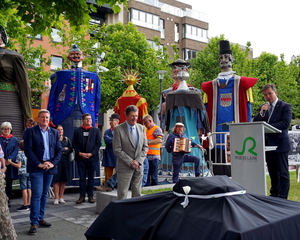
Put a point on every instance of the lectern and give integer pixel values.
(247, 151)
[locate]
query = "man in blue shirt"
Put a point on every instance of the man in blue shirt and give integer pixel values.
(43, 151)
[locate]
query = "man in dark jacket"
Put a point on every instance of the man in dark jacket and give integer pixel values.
(43, 151)
(86, 143)
(278, 114)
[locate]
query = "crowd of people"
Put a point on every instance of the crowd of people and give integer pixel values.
(131, 158)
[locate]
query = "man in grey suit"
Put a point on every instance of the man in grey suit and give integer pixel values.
(130, 147)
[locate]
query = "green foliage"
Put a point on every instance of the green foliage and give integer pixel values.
(126, 48)
(266, 68)
(48, 13)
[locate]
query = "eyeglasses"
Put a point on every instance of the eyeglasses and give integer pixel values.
(87, 119)
(5, 129)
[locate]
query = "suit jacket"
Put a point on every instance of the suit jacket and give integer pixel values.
(34, 149)
(92, 146)
(280, 119)
(125, 150)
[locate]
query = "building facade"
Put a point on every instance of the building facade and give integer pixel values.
(174, 22)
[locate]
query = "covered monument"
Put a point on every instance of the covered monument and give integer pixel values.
(213, 208)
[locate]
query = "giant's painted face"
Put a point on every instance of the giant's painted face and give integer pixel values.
(75, 56)
(226, 60)
(177, 69)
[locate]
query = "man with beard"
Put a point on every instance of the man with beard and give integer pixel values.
(73, 93)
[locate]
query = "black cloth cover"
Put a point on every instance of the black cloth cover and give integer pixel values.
(161, 216)
(191, 99)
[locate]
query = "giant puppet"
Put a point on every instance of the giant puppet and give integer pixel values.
(74, 92)
(228, 99)
(131, 97)
(183, 104)
(15, 97)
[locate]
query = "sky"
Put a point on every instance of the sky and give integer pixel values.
(270, 26)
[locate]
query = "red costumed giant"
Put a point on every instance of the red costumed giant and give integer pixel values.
(228, 99)
(131, 97)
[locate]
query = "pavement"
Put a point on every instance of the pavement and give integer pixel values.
(69, 221)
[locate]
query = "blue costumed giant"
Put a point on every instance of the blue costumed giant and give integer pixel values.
(74, 92)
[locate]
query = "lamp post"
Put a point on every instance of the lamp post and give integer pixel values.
(161, 74)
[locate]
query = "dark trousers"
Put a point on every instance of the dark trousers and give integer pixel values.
(177, 161)
(153, 172)
(8, 187)
(278, 168)
(86, 169)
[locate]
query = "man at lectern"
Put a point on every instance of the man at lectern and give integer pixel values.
(180, 145)
(278, 114)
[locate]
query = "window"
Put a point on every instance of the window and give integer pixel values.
(35, 64)
(56, 62)
(188, 54)
(162, 28)
(195, 33)
(144, 19)
(176, 32)
(154, 46)
(38, 36)
(55, 35)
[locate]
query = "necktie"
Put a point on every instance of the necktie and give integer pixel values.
(132, 135)
(270, 111)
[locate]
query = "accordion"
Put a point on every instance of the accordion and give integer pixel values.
(182, 145)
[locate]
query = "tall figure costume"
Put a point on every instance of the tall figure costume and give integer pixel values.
(74, 92)
(15, 92)
(185, 105)
(228, 99)
(131, 97)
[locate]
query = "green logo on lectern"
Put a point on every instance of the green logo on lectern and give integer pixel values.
(250, 150)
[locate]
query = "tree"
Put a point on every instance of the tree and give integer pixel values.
(48, 13)
(126, 48)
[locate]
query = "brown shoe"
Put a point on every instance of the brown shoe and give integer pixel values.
(80, 200)
(33, 229)
(104, 188)
(43, 223)
(91, 199)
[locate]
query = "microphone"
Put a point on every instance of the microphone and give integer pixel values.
(264, 111)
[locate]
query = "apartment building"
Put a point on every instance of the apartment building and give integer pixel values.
(175, 22)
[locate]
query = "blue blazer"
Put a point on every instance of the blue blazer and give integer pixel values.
(10, 152)
(109, 158)
(34, 149)
(280, 119)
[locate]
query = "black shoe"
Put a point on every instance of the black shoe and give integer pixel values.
(43, 223)
(33, 229)
(91, 199)
(80, 200)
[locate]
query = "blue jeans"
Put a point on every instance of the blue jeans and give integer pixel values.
(113, 181)
(40, 184)
(86, 169)
(153, 172)
(145, 175)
